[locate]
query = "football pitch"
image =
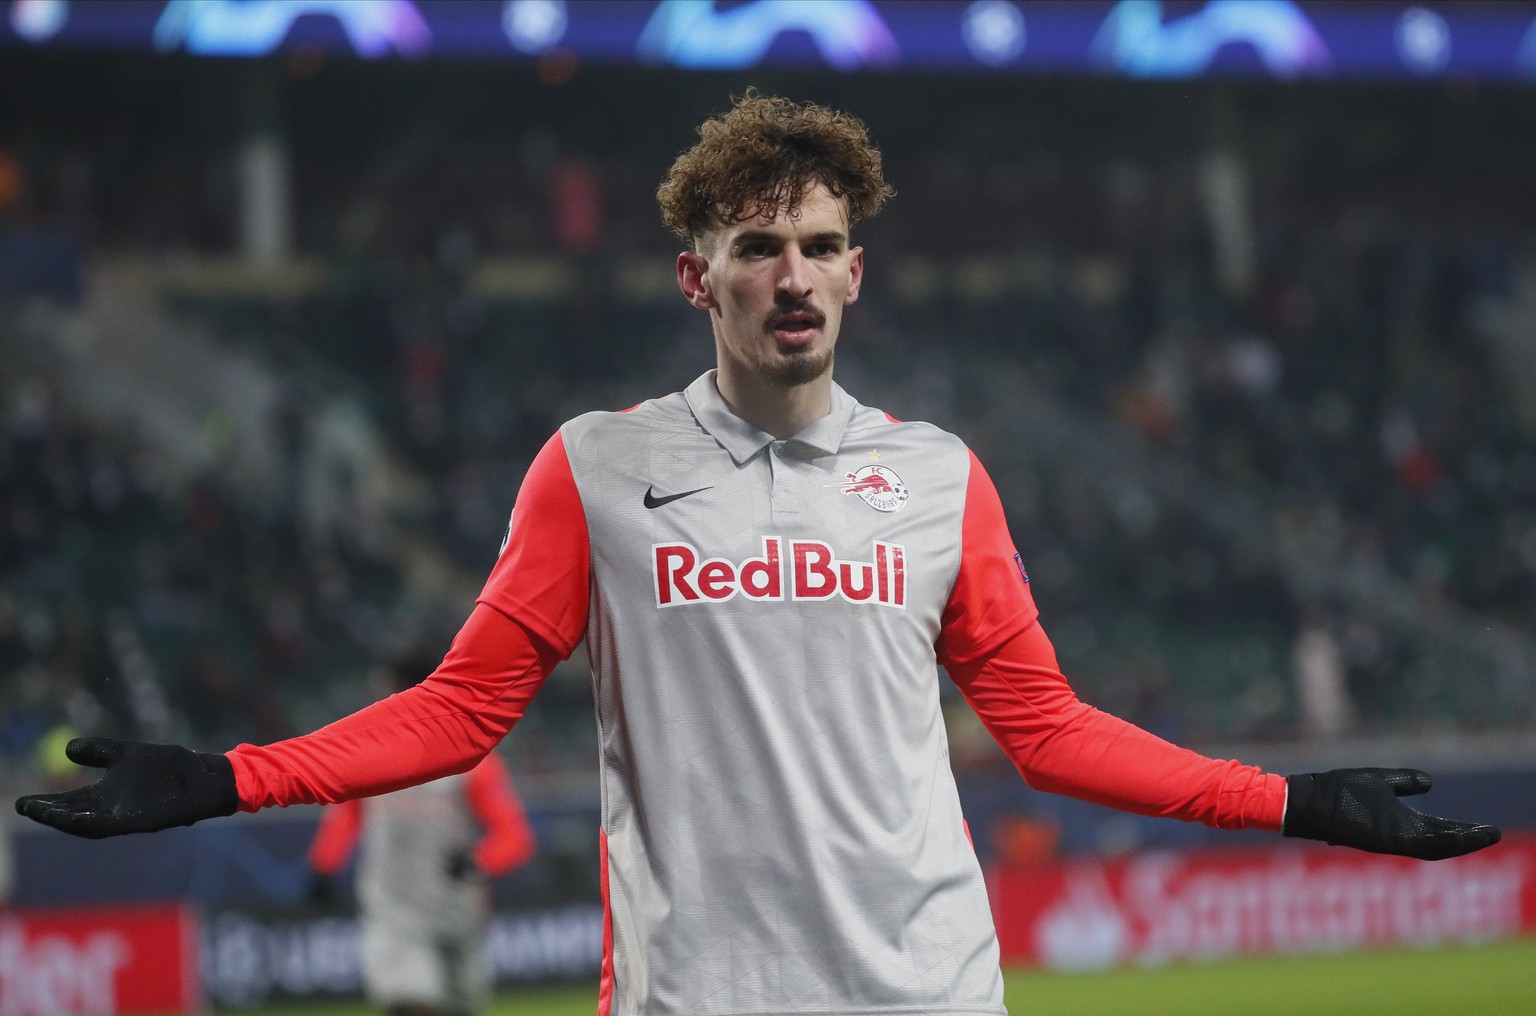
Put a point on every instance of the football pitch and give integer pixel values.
(1490, 979)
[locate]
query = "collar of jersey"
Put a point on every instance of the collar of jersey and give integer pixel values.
(743, 441)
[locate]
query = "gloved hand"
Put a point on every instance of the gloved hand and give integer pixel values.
(146, 787)
(1360, 808)
(461, 866)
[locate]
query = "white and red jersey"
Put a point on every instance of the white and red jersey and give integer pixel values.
(765, 619)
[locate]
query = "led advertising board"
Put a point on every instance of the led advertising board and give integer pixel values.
(1281, 39)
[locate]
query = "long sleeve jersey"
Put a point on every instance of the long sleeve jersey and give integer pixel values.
(765, 618)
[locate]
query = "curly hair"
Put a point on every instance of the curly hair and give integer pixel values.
(763, 155)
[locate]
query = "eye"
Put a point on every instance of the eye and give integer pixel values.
(755, 249)
(823, 249)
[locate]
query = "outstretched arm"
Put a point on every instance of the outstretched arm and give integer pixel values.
(1065, 746)
(444, 725)
(994, 649)
(531, 614)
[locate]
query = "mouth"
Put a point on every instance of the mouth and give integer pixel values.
(796, 328)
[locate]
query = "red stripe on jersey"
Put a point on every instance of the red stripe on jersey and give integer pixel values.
(605, 982)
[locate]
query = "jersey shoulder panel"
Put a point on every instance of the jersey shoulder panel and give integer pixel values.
(616, 458)
(588, 437)
(867, 422)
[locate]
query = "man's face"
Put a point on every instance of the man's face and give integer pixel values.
(776, 288)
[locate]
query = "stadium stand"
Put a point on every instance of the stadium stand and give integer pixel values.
(1277, 497)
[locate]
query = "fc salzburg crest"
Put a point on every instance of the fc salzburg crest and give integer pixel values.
(877, 486)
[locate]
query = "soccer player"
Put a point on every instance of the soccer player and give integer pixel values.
(420, 881)
(766, 574)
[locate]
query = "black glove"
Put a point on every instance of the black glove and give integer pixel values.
(146, 787)
(1360, 808)
(461, 865)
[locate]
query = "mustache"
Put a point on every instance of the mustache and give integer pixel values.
(801, 307)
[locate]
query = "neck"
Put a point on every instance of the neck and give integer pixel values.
(780, 410)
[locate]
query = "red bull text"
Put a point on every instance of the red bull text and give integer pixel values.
(804, 570)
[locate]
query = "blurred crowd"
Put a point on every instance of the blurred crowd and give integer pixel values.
(165, 606)
(1205, 445)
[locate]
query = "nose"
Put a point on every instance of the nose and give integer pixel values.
(794, 281)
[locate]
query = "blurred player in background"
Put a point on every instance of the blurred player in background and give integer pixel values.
(421, 879)
(766, 575)
(7, 865)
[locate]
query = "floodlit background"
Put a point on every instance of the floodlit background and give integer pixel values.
(1237, 301)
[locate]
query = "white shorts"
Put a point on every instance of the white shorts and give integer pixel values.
(404, 965)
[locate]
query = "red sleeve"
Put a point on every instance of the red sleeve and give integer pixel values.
(995, 651)
(508, 841)
(340, 825)
(531, 614)
(1064, 746)
(990, 599)
(444, 725)
(542, 575)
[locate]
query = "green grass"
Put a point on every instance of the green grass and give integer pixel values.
(1478, 981)
(1491, 980)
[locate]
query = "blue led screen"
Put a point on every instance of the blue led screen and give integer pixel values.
(1280, 39)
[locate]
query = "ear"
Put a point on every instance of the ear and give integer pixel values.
(693, 280)
(855, 274)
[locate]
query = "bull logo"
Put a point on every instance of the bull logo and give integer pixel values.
(877, 486)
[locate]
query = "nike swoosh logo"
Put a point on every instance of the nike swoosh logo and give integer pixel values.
(652, 501)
